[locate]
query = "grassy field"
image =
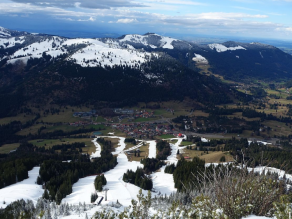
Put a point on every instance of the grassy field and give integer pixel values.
(144, 151)
(214, 157)
(145, 119)
(47, 143)
(200, 113)
(210, 157)
(165, 136)
(278, 127)
(66, 116)
(115, 142)
(96, 127)
(33, 130)
(6, 148)
(173, 141)
(179, 107)
(185, 143)
(21, 117)
(99, 119)
(129, 145)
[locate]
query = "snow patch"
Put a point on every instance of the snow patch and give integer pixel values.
(22, 59)
(166, 43)
(200, 59)
(222, 48)
(261, 55)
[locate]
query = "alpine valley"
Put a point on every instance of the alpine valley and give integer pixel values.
(143, 126)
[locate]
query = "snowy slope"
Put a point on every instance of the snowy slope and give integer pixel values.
(166, 42)
(4, 32)
(100, 54)
(10, 42)
(118, 189)
(135, 38)
(26, 189)
(97, 150)
(35, 50)
(222, 48)
(85, 52)
(163, 182)
(152, 149)
(152, 40)
(200, 59)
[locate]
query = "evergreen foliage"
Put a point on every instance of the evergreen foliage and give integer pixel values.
(93, 197)
(170, 168)
(260, 154)
(185, 173)
(138, 178)
(164, 150)
(130, 140)
(99, 182)
(151, 164)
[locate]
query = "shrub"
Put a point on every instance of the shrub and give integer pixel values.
(240, 193)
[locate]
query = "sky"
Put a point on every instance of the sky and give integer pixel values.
(270, 19)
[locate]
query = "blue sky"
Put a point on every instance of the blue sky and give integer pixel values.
(228, 18)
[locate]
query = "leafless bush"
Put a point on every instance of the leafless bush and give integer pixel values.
(239, 192)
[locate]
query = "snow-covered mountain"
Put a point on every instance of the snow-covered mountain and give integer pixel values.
(154, 41)
(85, 52)
(133, 50)
(4, 32)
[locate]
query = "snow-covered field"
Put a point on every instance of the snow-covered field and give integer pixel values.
(26, 189)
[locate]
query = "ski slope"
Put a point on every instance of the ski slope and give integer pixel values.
(26, 189)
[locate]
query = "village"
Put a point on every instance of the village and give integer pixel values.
(124, 121)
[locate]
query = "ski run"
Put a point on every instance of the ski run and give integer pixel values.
(118, 190)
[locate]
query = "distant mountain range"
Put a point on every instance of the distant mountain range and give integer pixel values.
(231, 59)
(127, 69)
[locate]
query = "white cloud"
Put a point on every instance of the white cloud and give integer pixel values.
(224, 16)
(177, 2)
(91, 4)
(126, 21)
(89, 19)
(207, 23)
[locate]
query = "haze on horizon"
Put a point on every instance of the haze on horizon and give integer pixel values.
(270, 19)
